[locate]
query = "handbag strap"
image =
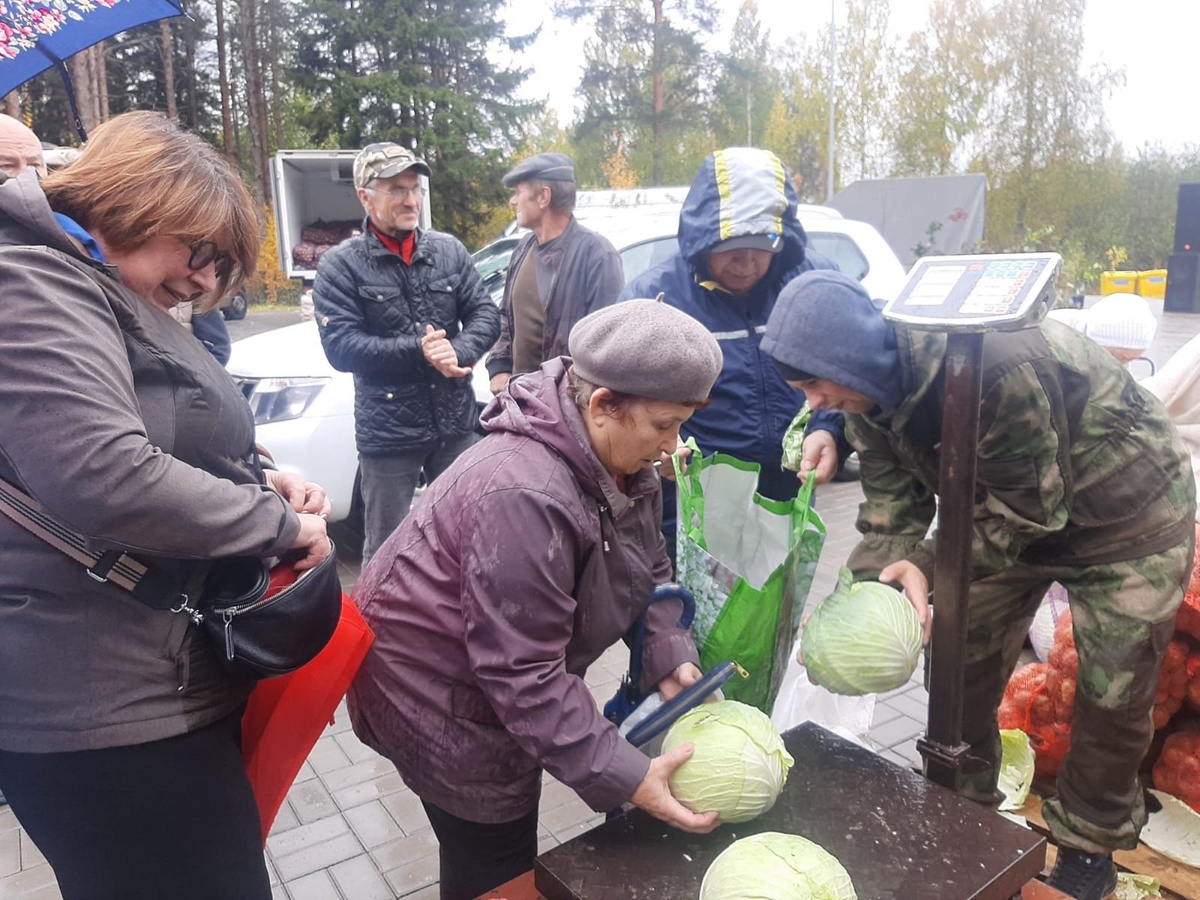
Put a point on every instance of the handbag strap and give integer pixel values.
(153, 587)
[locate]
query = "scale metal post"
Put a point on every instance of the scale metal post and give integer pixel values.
(963, 297)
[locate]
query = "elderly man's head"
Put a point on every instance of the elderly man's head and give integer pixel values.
(540, 184)
(19, 147)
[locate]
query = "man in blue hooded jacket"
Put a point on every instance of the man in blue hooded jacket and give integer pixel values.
(740, 242)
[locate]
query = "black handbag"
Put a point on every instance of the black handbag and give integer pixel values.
(262, 621)
(261, 628)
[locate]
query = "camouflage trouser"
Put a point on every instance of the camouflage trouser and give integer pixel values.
(1124, 617)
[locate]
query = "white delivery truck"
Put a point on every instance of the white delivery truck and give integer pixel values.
(316, 205)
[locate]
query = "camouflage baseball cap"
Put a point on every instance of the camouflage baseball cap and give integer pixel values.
(383, 161)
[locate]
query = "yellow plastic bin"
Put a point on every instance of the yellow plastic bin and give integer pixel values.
(1153, 283)
(1118, 283)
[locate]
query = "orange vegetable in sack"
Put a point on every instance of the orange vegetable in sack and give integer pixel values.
(1188, 618)
(1064, 666)
(1172, 683)
(1029, 706)
(1192, 670)
(1026, 683)
(1177, 771)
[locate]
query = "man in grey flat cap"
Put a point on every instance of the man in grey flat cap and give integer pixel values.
(559, 272)
(404, 310)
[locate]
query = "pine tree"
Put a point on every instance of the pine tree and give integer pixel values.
(416, 72)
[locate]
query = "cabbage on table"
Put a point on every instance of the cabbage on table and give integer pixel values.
(864, 638)
(773, 866)
(739, 764)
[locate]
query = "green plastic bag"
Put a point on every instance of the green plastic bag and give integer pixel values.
(750, 562)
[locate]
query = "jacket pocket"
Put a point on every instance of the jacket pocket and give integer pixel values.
(1121, 496)
(1015, 482)
(441, 297)
(386, 309)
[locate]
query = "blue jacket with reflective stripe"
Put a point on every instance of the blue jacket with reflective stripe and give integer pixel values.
(736, 194)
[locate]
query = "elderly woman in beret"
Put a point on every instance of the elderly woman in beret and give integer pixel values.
(532, 555)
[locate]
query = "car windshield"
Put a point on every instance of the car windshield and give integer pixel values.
(842, 251)
(494, 257)
(637, 258)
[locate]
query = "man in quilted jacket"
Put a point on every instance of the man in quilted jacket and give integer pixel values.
(404, 310)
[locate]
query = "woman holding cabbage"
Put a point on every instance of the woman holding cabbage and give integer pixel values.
(528, 558)
(1082, 479)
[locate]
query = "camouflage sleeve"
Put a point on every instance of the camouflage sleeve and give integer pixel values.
(793, 439)
(897, 511)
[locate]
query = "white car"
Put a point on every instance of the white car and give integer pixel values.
(304, 408)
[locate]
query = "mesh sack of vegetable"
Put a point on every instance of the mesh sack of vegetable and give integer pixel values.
(1027, 706)
(1064, 666)
(749, 561)
(1192, 672)
(1177, 771)
(1172, 683)
(1188, 618)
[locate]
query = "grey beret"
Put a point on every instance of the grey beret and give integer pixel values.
(546, 166)
(648, 349)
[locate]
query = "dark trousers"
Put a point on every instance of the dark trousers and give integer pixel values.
(474, 857)
(168, 820)
(388, 483)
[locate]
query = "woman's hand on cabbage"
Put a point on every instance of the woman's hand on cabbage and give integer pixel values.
(679, 680)
(654, 795)
(915, 586)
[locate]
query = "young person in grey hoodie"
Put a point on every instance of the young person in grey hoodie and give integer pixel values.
(1081, 479)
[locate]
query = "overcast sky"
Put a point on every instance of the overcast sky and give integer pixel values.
(1157, 42)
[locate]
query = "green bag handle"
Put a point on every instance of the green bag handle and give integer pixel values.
(804, 506)
(691, 494)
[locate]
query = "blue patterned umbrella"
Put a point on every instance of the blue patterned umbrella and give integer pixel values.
(37, 35)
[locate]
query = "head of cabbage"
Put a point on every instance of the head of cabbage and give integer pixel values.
(776, 865)
(739, 764)
(863, 638)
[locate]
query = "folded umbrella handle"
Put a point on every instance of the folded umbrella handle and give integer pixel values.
(667, 714)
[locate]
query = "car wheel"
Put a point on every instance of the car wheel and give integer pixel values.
(849, 469)
(237, 307)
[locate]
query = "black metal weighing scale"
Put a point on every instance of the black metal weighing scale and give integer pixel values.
(963, 297)
(901, 836)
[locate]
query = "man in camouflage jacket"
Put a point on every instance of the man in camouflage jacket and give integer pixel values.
(1081, 479)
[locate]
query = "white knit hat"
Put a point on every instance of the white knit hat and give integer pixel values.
(1123, 321)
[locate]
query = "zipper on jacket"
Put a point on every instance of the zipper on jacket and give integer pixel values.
(602, 509)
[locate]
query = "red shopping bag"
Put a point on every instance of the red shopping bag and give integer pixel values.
(286, 715)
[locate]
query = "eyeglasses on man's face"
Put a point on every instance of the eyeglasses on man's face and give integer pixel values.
(401, 193)
(206, 252)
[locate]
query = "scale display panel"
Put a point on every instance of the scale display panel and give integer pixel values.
(977, 293)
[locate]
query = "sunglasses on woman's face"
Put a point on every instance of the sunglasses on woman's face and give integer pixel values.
(206, 252)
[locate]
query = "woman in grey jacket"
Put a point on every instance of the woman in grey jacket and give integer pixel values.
(528, 558)
(119, 730)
